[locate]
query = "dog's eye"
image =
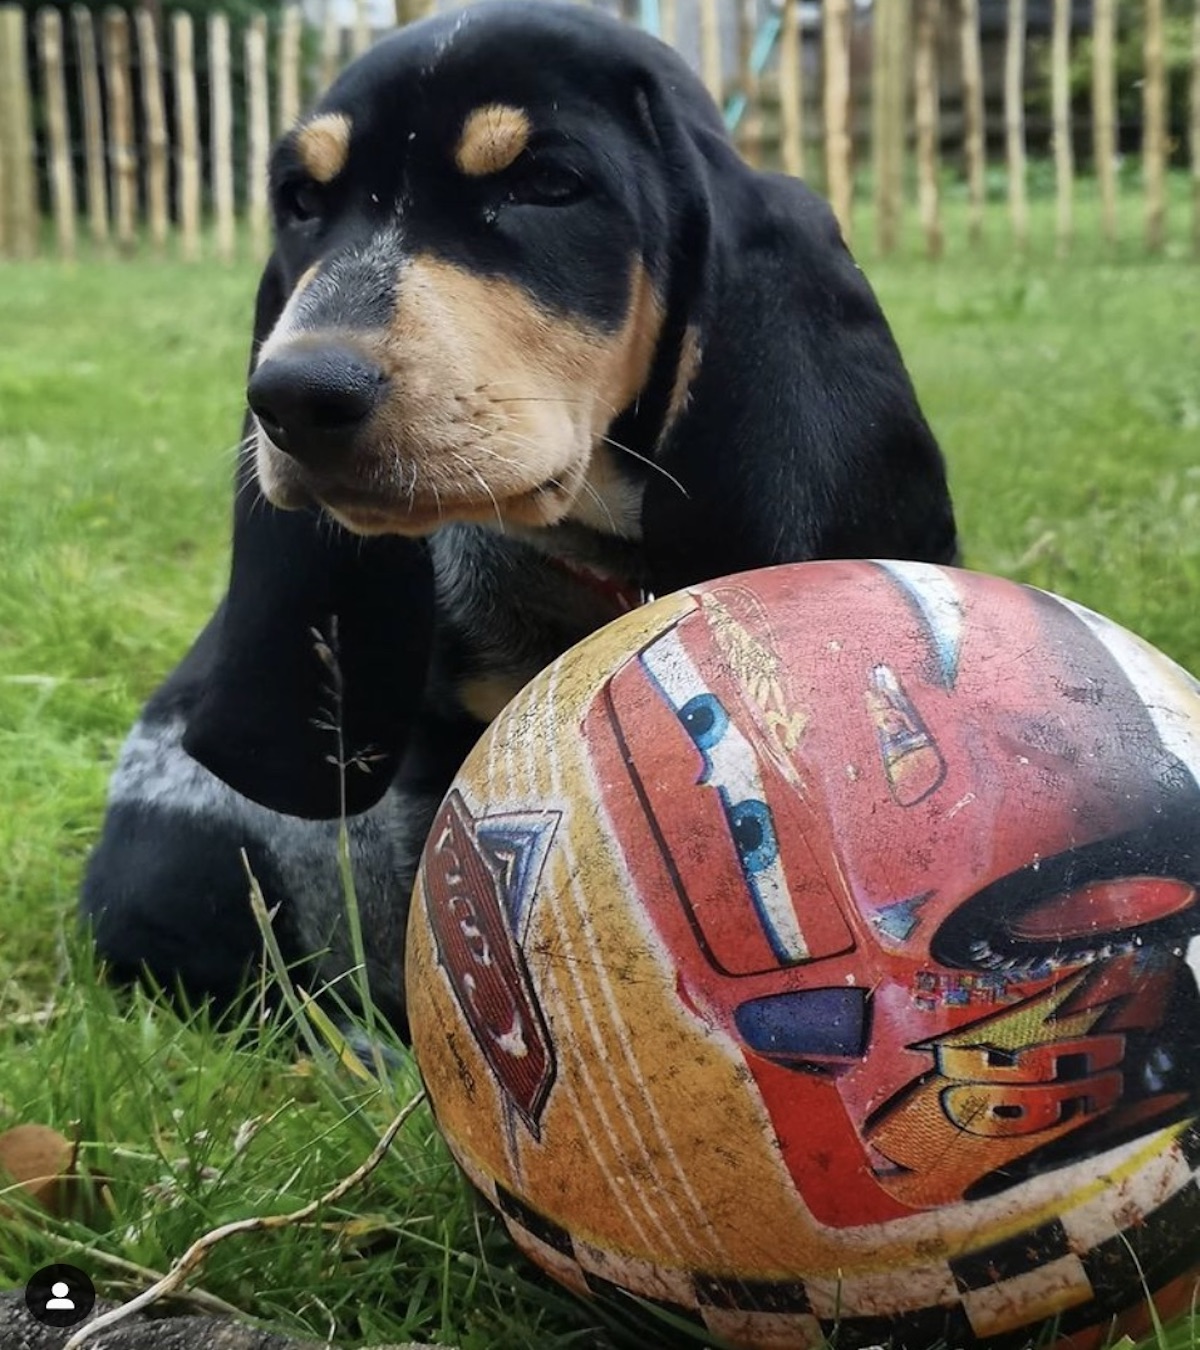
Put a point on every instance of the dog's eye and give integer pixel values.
(547, 185)
(300, 199)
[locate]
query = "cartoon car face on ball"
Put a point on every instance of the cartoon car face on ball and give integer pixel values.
(935, 881)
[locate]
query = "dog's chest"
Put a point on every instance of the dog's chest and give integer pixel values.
(506, 608)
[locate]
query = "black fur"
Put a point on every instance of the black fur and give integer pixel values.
(798, 436)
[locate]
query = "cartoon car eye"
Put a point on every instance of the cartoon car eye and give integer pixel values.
(733, 770)
(753, 832)
(704, 719)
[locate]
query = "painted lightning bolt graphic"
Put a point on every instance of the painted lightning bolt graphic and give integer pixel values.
(1003, 1087)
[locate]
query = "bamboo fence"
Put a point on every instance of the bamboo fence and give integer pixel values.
(131, 131)
(1014, 123)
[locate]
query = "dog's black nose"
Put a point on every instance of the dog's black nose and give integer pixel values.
(312, 401)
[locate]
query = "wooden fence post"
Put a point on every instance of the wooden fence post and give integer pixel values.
(360, 36)
(710, 51)
(18, 200)
(750, 136)
(1014, 122)
(973, 115)
(155, 118)
(288, 104)
(839, 147)
(122, 156)
(110, 122)
(1154, 121)
(331, 46)
(1060, 100)
(93, 124)
(221, 134)
(1104, 112)
(925, 80)
(258, 133)
(1194, 131)
(669, 21)
(188, 134)
(4, 224)
(58, 130)
(889, 67)
(4, 188)
(791, 89)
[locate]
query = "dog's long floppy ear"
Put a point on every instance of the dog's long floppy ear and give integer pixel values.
(795, 432)
(322, 650)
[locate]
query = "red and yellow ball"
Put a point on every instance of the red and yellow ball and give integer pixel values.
(818, 947)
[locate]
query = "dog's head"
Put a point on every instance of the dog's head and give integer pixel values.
(474, 227)
(521, 277)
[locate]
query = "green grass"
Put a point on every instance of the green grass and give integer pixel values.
(1066, 396)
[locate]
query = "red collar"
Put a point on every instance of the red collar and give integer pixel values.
(621, 596)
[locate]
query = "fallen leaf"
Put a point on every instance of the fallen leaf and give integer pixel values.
(39, 1160)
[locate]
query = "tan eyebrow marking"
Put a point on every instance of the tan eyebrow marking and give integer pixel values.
(492, 137)
(324, 145)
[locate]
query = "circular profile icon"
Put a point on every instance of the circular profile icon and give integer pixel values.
(59, 1296)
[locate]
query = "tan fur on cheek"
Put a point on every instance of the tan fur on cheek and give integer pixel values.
(496, 405)
(324, 145)
(520, 354)
(632, 353)
(488, 384)
(685, 376)
(492, 138)
(611, 502)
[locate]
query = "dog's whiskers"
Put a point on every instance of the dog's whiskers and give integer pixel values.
(483, 483)
(585, 486)
(247, 482)
(486, 449)
(535, 398)
(644, 459)
(240, 446)
(518, 437)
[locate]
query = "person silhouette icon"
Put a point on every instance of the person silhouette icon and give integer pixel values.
(60, 1302)
(60, 1295)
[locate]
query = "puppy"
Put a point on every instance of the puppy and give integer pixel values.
(533, 342)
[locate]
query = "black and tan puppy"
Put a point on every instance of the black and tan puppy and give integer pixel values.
(533, 340)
